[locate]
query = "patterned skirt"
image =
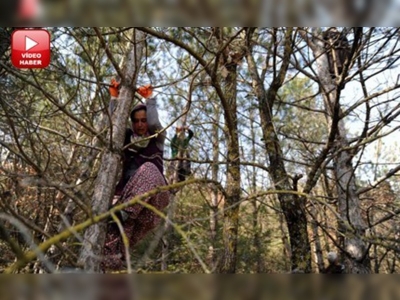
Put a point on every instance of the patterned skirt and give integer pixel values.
(140, 220)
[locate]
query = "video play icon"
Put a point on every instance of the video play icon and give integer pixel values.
(30, 48)
(29, 43)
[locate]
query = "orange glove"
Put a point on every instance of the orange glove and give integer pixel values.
(145, 91)
(114, 88)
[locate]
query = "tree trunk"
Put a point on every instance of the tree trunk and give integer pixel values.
(351, 226)
(255, 224)
(214, 194)
(233, 190)
(286, 251)
(94, 236)
(292, 206)
(316, 237)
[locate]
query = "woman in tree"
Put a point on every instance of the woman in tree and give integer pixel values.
(180, 142)
(142, 172)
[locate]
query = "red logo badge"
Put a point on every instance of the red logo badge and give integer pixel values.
(30, 48)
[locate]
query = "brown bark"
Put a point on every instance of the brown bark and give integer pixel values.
(214, 195)
(255, 223)
(292, 206)
(233, 191)
(351, 225)
(94, 236)
(316, 237)
(225, 84)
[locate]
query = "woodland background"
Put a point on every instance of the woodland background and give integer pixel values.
(289, 162)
